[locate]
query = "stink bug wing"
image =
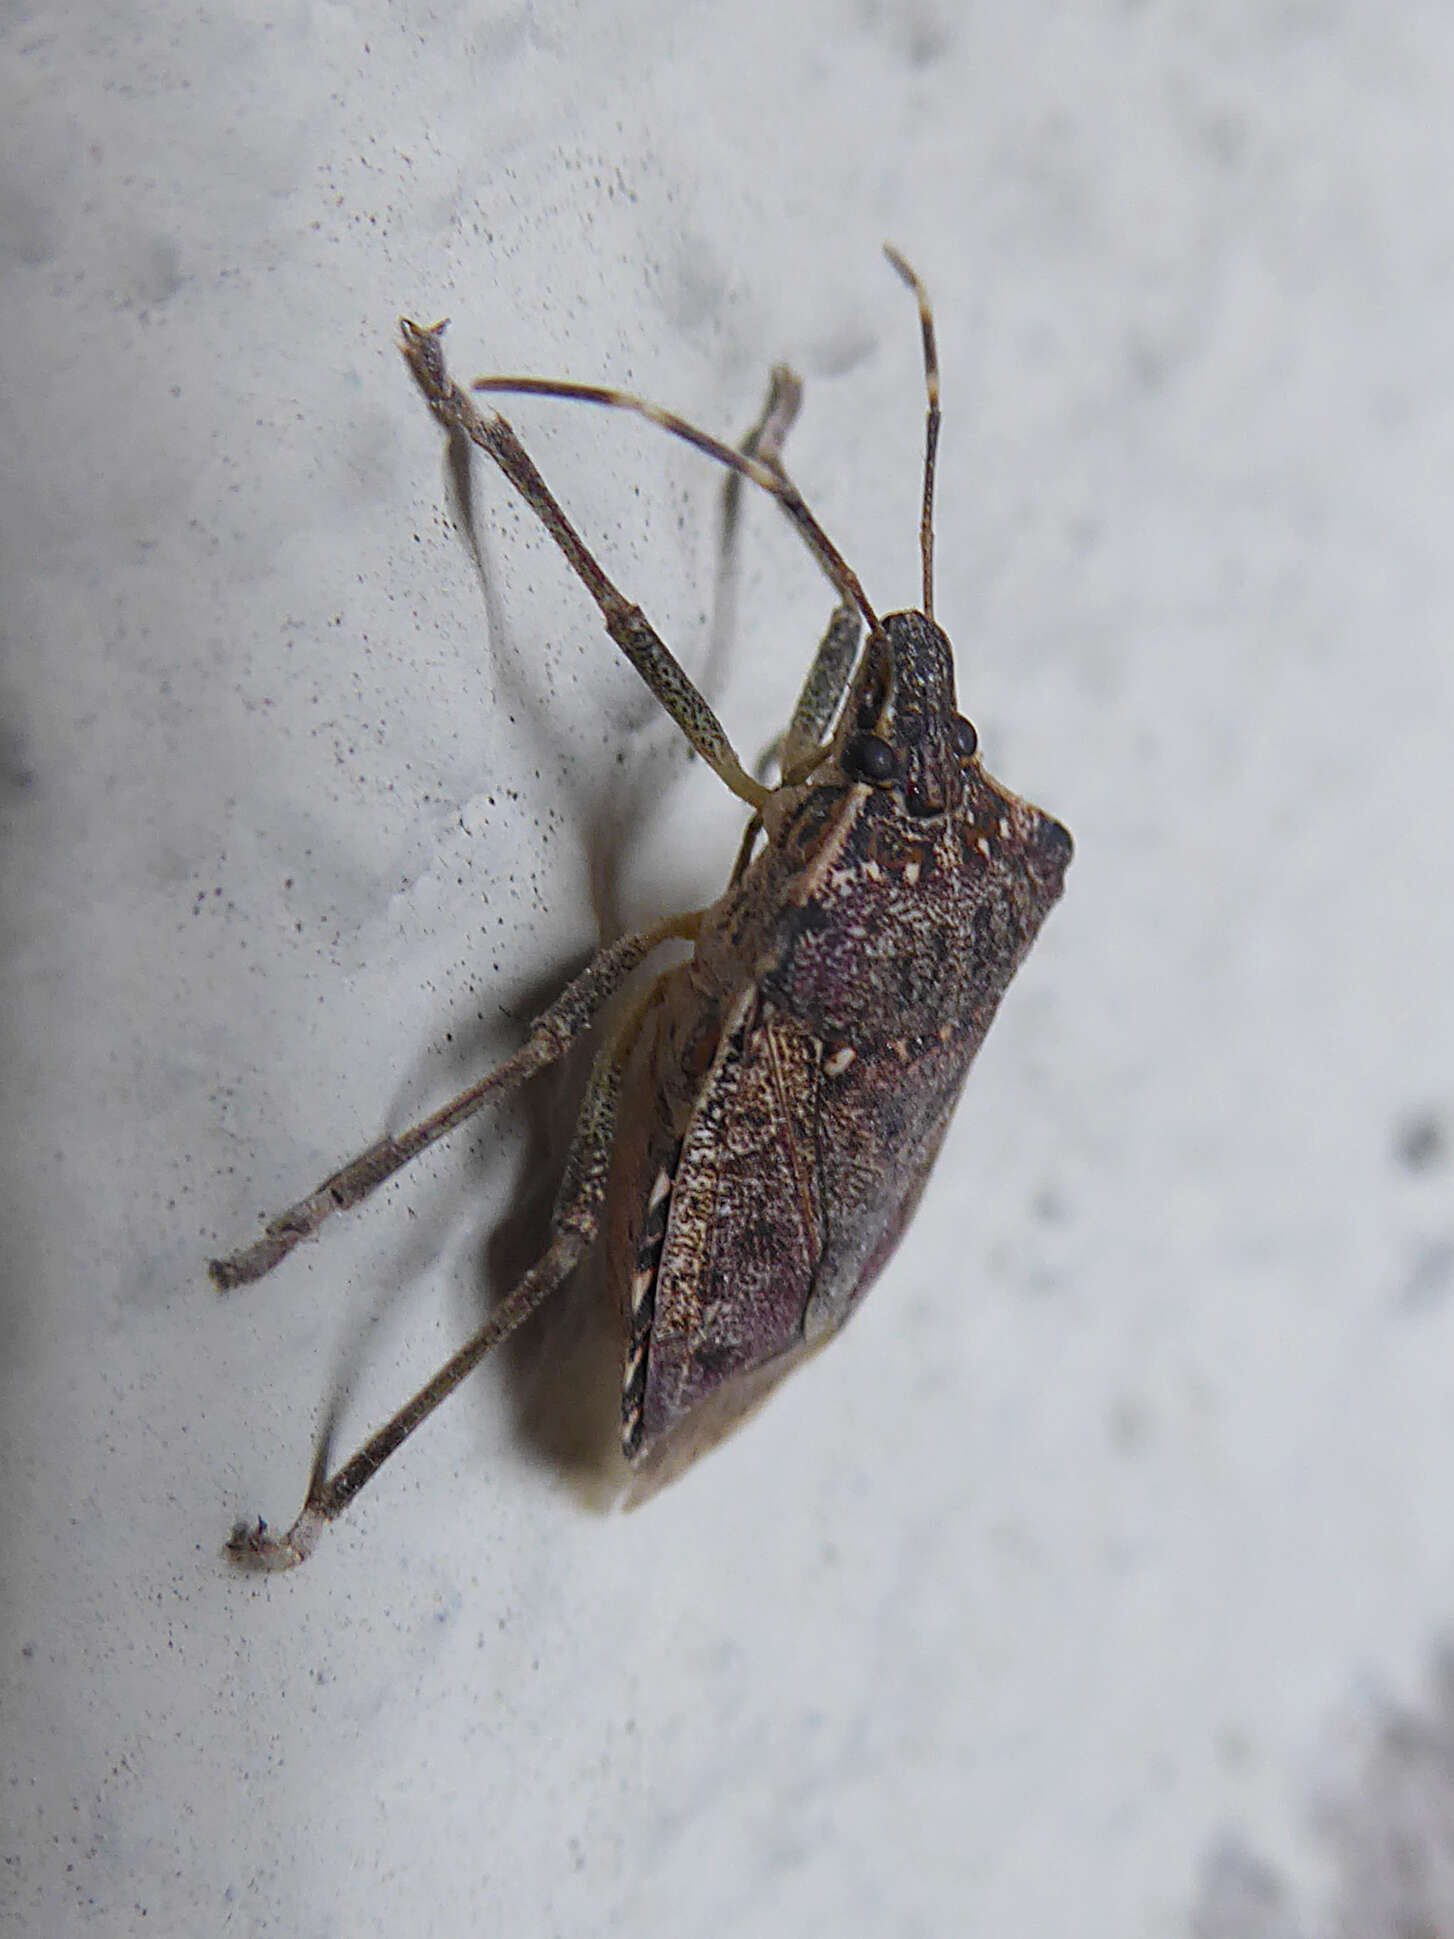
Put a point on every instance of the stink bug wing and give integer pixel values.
(744, 1235)
(793, 1185)
(711, 1422)
(881, 1126)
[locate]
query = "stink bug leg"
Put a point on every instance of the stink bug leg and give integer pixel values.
(762, 1118)
(573, 1222)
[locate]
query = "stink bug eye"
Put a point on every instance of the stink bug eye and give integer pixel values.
(868, 758)
(761, 1118)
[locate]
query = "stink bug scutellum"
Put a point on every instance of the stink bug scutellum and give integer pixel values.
(762, 1117)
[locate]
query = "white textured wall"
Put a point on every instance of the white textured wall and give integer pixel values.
(1041, 1603)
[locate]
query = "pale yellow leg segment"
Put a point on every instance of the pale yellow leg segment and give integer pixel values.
(823, 690)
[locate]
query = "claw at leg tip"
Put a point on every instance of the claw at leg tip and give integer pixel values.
(252, 1547)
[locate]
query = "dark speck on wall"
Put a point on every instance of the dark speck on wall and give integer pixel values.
(1420, 1142)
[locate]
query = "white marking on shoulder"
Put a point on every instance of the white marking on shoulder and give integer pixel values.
(912, 873)
(736, 1017)
(984, 848)
(841, 1058)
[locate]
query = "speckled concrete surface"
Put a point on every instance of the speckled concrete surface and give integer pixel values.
(1050, 1601)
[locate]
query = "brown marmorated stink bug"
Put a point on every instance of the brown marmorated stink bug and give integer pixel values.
(762, 1117)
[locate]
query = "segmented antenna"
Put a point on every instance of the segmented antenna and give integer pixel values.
(931, 432)
(769, 476)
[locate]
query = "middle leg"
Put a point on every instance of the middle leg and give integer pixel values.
(573, 1227)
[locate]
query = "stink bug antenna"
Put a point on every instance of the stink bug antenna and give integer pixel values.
(765, 472)
(931, 431)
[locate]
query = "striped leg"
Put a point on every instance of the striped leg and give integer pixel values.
(573, 1227)
(551, 1035)
(627, 625)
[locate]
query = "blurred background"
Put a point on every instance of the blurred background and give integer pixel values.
(1099, 1580)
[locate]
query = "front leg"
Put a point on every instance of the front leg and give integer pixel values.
(628, 626)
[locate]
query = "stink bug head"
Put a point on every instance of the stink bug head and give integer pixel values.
(761, 1117)
(902, 736)
(900, 727)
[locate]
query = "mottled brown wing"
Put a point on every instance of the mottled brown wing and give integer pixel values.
(718, 1416)
(881, 1120)
(745, 1231)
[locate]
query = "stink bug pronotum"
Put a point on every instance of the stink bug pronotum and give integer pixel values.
(762, 1117)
